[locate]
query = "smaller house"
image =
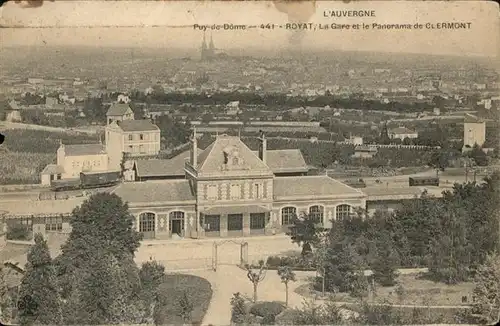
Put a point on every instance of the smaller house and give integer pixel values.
(50, 173)
(402, 133)
(73, 159)
(119, 112)
(12, 112)
(365, 151)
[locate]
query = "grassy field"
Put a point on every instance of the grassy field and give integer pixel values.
(42, 141)
(25, 153)
(23, 168)
(171, 292)
(416, 291)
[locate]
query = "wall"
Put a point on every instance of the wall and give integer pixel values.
(247, 191)
(149, 145)
(45, 179)
(114, 147)
(73, 165)
(386, 205)
(162, 220)
(474, 133)
(303, 207)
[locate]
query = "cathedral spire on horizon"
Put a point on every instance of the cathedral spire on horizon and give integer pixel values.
(207, 52)
(212, 47)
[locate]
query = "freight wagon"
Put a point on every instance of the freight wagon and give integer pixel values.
(359, 183)
(88, 180)
(423, 181)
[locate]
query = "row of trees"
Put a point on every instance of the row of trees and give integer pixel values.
(95, 279)
(452, 236)
(278, 100)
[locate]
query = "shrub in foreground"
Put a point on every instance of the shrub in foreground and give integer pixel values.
(266, 308)
(175, 287)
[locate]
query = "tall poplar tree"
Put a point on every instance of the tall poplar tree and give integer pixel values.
(39, 300)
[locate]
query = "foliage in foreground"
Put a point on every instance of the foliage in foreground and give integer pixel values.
(18, 231)
(451, 236)
(487, 290)
(182, 297)
(39, 300)
(312, 314)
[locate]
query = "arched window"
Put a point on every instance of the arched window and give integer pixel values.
(343, 212)
(287, 215)
(147, 222)
(316, 213)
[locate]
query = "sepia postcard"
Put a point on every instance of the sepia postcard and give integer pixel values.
(249, 163)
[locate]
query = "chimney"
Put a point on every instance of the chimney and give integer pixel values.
(263, 147)
(194, 149)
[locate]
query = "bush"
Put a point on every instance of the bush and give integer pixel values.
(238, 309)
(297, 262)
(267, 308)
(18, 231)
(174, 288)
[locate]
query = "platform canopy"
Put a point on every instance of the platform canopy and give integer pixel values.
(225, 210)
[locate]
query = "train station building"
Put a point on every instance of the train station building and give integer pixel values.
(228, 190)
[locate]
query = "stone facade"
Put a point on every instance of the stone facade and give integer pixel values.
(230, 191)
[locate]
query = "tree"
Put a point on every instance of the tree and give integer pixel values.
(94, 109)
(186, 307)
(439, 160)
(151, 275)
(40, 302)
(103, 218)
(487, 290)
(105, 291)
(5, 299)
(122, 164)
(306, 232)
(449, 254)
(256, 277)
(98, 258)
(238, 310)
(384, 135)
(478, 155)
(386, 262)
(287, 275)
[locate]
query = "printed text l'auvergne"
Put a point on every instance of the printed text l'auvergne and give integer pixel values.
(348, 13)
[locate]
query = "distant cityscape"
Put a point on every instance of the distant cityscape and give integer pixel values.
(374, 164)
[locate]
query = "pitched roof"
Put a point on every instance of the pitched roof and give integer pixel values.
(156, 168)
(469, 118)
(53, 169)
(312, 186)
(155, 191)
(118, 109)
(137, 125)
(285, 160)
(84, 149)
(41, 207)
(212, 159)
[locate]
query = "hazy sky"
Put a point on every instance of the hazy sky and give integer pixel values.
(177, 19)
